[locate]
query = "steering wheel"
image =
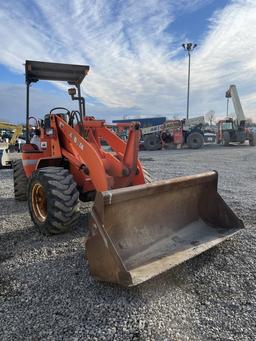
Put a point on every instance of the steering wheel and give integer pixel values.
(33, 118)
(60, 108)
(36, 121)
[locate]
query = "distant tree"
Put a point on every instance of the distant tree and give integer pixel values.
(210, 117)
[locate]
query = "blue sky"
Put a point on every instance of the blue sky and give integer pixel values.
(138, 66)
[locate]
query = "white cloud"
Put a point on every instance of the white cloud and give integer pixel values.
(12, 99)
(134, 61)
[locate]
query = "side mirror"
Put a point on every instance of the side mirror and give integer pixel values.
(72, 91)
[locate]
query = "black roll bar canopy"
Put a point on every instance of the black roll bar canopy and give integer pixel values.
(73, 74)
(70, 73)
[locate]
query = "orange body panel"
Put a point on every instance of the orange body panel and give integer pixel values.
(178, 136)
(93, 168)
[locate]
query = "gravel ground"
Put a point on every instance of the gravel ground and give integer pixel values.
(47, 293)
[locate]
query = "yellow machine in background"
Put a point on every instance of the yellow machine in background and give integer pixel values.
(9, 150)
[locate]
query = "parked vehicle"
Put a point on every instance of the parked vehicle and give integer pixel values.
(10, 144)
(234, 130)
(175, 132)
(137, 229)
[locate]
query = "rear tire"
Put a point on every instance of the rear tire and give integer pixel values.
(152, 142)
(195, 140)
(1, 154)
(20, 181)
(53, 200)
(252, 140)
(226, 138)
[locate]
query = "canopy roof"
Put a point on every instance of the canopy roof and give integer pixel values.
(73, 74)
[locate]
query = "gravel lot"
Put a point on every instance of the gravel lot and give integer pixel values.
(47, 293)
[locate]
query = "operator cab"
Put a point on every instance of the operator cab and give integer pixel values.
(73, 75)
(226, 125)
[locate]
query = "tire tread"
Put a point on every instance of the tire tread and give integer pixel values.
(20, 181)
(62, 200)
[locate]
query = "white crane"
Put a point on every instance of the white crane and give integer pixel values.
(230, 130)
(232, 93)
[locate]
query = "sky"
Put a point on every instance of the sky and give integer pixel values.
(137, 64)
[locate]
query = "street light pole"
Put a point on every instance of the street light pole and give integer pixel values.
(189, 47)
(188, 88)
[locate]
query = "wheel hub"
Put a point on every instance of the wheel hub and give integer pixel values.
(39, 202)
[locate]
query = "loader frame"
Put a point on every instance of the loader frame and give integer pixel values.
(81, 150)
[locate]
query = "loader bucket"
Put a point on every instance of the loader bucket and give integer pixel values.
(141, 231)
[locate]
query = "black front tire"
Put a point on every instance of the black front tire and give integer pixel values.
(252, 140)
(60, 211)
(20, 181)
(226, 138)
(1, 154)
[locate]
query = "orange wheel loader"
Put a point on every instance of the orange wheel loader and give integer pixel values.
(137, 229)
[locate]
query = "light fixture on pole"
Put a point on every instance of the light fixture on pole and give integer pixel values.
(228, 96)
(189, 47)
